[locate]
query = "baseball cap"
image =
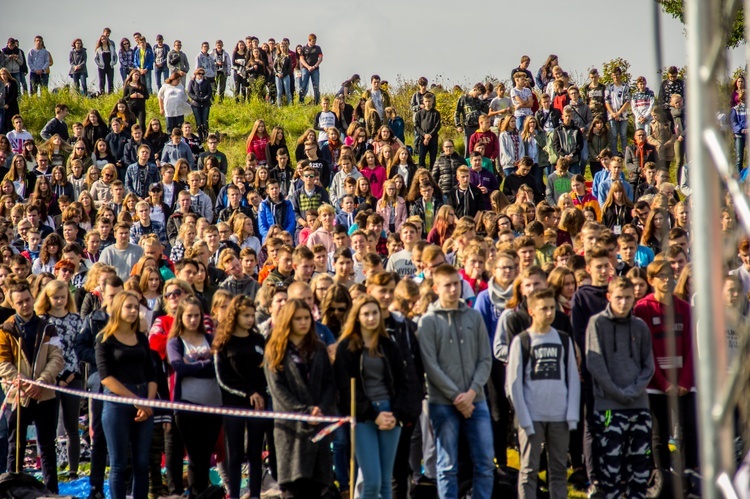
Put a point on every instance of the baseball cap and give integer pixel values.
(155, 187)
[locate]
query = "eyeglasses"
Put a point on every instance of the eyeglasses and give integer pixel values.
(338, 309)
(173, 294)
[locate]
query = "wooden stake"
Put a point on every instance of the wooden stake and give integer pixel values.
(352, 438)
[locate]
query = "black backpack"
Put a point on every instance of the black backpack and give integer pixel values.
(22, 486)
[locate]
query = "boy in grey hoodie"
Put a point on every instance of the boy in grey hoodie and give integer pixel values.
(544, 388)
(455, 351)
(620, 360)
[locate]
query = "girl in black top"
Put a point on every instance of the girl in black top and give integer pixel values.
(123, 360)
(136, 95)
(238, 357)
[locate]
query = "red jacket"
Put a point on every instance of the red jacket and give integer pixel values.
(490, 141)
(477, 285)
(653, 314)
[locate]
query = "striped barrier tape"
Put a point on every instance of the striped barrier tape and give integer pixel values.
(336, 421)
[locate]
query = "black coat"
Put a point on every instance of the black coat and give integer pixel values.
(444, 170)
(200, 93)
(468, 204)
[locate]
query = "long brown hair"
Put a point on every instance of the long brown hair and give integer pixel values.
(226, 328)
(114, 315)
(335, 294)
(352, 329)
(279, 340)
(517, 297)
(178, 327)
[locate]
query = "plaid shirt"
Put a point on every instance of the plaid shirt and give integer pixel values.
(178, 252)
(126, 59)
(382, 246)
(302, 202)
(137, 231)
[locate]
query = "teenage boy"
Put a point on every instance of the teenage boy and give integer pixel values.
(674, 364)
(213, 144)
(320, 165)
(482, 178)
(522, 98)
(122, 255)
(117, 198)
(130, 154)
(176, 149)
(145, 226)
(588, 300)
(33, 216)
(558, 182)
(544, 250)
(401, 261)
(236, 282)
(621, 363)
(521, 177)
(343, 267)
(274, 210)
(141, 174)
(34, 241)
(303, 263)
(308, 197)
(375, 224)
(40, 358)
(485, 136)
(199, 200)
(544, 388)
(57, 125)
(626, 250)
(346, 170)
(283, 173)
(117, 139)
(427, 122)
(347, 212)
(175, 220)
(466, 199)
(18, 135)
(548, 117)
(455, 383)
(283, 274)
(567, 141)
(234, 205)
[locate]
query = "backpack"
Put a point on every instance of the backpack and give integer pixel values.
(525, 340)
(22, 486)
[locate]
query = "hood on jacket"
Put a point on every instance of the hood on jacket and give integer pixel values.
(621, 321)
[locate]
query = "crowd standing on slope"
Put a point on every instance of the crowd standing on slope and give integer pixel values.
(495, 292)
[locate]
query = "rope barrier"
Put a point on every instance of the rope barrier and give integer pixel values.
(336, 421)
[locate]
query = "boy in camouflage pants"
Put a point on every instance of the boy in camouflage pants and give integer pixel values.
(620, 360)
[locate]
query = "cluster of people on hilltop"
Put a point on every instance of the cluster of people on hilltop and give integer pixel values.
(484, 302)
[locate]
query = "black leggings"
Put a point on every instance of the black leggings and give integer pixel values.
(199, 433)
(238, 449)
(499, 410)
(174, 450)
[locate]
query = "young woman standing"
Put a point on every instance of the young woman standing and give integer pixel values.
(367, 354)
(124, 364)
(55, 305)
(238, 357)
(189, 354)
(300, 379)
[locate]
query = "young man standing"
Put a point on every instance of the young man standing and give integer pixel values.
(482, 179)
(455, 383)
(621, 363)
(466, 199)
(57, 124)
(401, 261)
(427, 122)
(275, 210)
(589, 300)
(544, 388)
(18, 135)
(141, 174)
(674, 364)
(308, 197)
(567, 141)
(199, 200)
(283, 173)
(40, 358)
(617, 102)
(213, 143)
(122, 255)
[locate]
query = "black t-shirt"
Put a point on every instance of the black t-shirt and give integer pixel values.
(311, 54)
(127, 364)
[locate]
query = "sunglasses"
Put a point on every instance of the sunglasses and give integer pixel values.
(338, 309)
(309, 176)
(173, 294)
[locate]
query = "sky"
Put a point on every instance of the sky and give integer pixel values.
(441, 40)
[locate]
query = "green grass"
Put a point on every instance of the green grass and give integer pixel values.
(233, 121)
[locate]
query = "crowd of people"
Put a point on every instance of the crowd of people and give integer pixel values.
(483, 301)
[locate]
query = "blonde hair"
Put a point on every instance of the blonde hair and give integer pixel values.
(115, 311)
(43, 303)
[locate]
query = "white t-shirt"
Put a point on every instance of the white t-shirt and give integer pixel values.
(401, 263)
(522, 94)
(325, 121)
(499, 104)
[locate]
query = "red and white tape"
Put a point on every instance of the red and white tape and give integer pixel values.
(336, 421)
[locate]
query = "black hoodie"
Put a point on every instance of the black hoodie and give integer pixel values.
(587, 301)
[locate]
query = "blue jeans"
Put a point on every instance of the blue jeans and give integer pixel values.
(520, 120)
(146, 78)
(123, 433)
(201, 120)
(283, 87)
(38, 81)
(161, 74)
(79, 80)
(124, 72)
(618, 129)
(739, 150)
(447, 423)
(575, 168)
(376, 453)
(306, 76)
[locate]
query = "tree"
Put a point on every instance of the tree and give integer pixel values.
(735, 28)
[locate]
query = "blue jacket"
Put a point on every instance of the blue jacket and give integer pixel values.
(266, 217)
(148, 61)
(133, 179)
(738, 118)
(222, 201)
(606, 185)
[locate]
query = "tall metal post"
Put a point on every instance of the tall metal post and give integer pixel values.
(702, 27)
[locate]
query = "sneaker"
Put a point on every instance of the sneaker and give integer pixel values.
(96, 495)
(578, 479)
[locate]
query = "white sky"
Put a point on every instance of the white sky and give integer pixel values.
(444, 41)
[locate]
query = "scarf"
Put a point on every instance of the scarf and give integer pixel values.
(499, 296)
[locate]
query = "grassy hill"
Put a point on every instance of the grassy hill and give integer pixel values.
(232, 120)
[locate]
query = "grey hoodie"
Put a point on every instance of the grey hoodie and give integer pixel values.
(620, 359)
(455, 351)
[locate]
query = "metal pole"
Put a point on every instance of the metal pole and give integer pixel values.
(701, 17)
(352, 437)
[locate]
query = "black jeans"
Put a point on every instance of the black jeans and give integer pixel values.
(98, 446)
(156, 450)
(70, 409)
(174, 449)
(662, 429)
(199, 433)
(499, 411)
(44, 417)
(238, 449)
(431, 148)
(107, 74)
